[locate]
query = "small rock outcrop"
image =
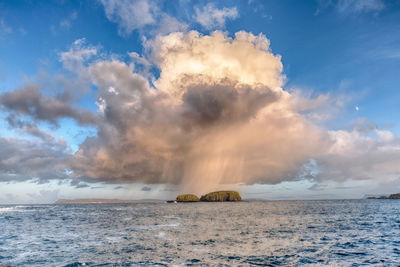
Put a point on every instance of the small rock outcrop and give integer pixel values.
(187, 198)
(394, 196)
(221, 196)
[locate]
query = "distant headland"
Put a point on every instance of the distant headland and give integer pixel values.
(218, 196)
(392, 196)
(102, 201)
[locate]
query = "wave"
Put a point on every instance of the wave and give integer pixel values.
(7, 209)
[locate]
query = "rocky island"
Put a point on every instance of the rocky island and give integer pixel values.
(221, 196)
(218, 196)
(187, 198)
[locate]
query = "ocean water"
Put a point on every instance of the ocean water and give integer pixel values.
(254, 233)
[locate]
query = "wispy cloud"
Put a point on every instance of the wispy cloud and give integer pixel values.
(132, 14)
(360, 5)
(210, 17)
(67, 22)
(352, 6)
(5, 29)
(144, 16)
(32, 128)
(78, 54)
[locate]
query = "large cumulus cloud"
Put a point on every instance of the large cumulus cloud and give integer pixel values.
(217, 114)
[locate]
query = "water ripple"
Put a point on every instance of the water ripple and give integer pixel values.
(255, 233)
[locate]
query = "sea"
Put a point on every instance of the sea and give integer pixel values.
(249, 233)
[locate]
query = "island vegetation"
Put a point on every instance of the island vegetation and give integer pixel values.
(217, 196)
(221, 196)
(187, 198)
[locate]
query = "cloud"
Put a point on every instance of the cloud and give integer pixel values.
(119, 187)
(360, 5)
(75, 58)
(4, 28)
(352, 6)
(32, 129)
(43, 157)
(319, 108)
(169, 24)
(317, 187)
(246, 59)
(22, 160)
(45, 196)
(142, 15)
(30, 101)
(146, 17)
(66, 23)
(217, 114)
(211, 17)
(358, 155)
(146, 188)
(132, 14)
(78, 183)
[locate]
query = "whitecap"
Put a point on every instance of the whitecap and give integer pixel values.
(7, 209)
(161, 234)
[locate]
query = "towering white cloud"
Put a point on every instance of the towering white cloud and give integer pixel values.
(245, 59)
(217, 114)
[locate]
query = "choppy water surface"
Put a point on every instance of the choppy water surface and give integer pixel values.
(337, 233)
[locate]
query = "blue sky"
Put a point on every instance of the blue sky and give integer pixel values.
(340, 57)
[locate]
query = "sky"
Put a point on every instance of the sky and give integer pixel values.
(149, 98)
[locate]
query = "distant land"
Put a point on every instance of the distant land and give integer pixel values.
(392, 196)
(103, 201)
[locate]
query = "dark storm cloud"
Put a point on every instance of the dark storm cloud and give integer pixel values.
(78, 183)
(136, 123)
(223, 103)
(119, 187)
